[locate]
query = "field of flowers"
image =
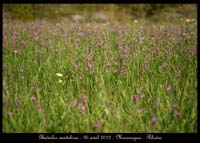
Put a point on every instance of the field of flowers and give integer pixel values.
(99, 77)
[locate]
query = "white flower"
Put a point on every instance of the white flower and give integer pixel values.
(136, 21)
(59, 74)
(189, 20)
(60, 81)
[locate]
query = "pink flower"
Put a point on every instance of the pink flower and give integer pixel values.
(169, 88)
(136, 99)
(81, 33)
(45, 38)
(141, 110)
(114, 111)
(89, 65)
(164, 64)
(33, 86)
(9, 113)
(33, 98)
(153, 120)
(17, 105)
(39, 106)
(174, 106)
(96, 126)
(83, 106)
(158, 51)
(176, 113)
(84, 97)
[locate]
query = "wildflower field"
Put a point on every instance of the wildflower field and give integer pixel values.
(99, 77)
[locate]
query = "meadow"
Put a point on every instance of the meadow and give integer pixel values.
(99, 77)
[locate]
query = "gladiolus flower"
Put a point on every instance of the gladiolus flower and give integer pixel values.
(39, 106)
(96, 126)
(169, 88)
(141, 110)
(17, 105)
(84, 97)
(176, 113)
(33, 98)
(136, 99)
(153, 120)
(83, 106)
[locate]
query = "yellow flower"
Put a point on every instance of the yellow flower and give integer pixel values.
(59, 74)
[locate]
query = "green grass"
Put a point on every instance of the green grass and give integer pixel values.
(118, 54)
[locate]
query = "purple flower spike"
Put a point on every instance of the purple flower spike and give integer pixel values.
(176, 113)
(84, 97)
(153, 120)
(39, 106)
(169, 88)
(114, 111)
(17, 105)
(141, 110)
(33, 98)
(164, 64)
(136, 99)
(33, 87)
(9, 113)
(174, 105)
(96, 126)
(83, 106)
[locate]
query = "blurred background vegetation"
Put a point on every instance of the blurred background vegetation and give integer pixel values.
(100, 12)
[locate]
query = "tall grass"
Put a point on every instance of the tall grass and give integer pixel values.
(114, 78)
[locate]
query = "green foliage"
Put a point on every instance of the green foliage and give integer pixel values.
(139, 59)
(115, 12)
